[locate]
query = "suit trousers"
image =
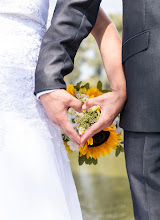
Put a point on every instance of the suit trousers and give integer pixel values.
(142, 154)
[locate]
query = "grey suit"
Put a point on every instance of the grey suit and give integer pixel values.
(140, 117)
(72, 22)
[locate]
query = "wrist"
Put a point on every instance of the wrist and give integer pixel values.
(121, 92)
(48, 94)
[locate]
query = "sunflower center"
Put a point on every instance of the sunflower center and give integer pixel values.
(100, 138)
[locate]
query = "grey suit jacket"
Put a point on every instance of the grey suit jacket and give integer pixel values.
(72, 22)
(141, 62)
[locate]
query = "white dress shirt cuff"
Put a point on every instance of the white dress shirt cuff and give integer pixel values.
(44, 92)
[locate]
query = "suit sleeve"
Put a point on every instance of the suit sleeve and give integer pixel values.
(72, 21)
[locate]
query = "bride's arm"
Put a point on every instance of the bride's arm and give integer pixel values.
(110, 46)
(111, 103)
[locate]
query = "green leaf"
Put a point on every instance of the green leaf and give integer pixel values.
(94, 161)
(81, 160)
(118, 150)
(77, 87)
(87, 161)
(86, 86)
(90, 161)
(121, 148)
(99, 85)
(106, 90)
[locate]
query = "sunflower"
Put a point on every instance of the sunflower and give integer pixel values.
(101, 143)
(83, 90)
(70, 89)
(93, 92)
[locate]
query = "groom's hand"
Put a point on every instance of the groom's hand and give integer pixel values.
(56, 105)
(111, 105)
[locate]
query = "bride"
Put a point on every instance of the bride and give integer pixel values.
(36, 182)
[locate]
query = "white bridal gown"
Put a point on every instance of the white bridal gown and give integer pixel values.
(36, 182)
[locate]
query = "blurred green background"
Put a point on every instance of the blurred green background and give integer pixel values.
(103, 189)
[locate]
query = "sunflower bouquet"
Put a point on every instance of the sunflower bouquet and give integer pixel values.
(101, 143)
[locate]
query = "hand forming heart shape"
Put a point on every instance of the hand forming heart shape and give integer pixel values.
(111, 105)
(57, 103)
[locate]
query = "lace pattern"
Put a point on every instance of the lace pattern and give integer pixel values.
(35, 11)
(23, 25)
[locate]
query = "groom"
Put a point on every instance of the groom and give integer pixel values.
(73, 20)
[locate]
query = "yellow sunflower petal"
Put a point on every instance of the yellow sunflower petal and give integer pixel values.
(83, 90)
(70, 89)
(88, 154)
(103, 153)
(93, 92)
(97, 151)
(84, 149)
(68, 148)
(94, 155)
(90, 141)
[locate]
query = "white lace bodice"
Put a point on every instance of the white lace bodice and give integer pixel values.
(22, 26)
(33, 10)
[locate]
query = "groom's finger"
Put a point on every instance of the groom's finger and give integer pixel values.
(65, 132)
(96, 128)
(76, 104)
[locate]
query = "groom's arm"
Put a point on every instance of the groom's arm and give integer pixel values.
(72, 21)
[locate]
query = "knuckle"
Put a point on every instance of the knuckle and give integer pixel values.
(54, 122)
(106, 120)
(52, 119)
(79, 103)
(56, 118)
(88, 102)
(102, 98)
(109, 124)
(69, 98)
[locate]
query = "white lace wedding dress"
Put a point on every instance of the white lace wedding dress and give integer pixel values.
(36, 182)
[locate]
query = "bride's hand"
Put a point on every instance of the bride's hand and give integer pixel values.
(56, 105)
(111, 105)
